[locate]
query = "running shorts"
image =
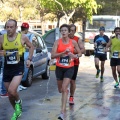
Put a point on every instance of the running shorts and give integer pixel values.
(102, 57)
(75, 72)
(64, 72)
(114, 61)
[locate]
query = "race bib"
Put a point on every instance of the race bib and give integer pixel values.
(101, 49)
(12, 57)
(116, 55)
(64, 60)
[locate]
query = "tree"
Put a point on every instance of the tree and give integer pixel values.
(68, 8)
(109, 8)
(16, 8)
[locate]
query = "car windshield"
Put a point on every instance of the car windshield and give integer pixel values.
(108, 24)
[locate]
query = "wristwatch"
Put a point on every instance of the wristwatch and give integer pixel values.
(77, 56)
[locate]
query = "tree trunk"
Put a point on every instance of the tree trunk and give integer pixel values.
(58, 21)
(42, 26)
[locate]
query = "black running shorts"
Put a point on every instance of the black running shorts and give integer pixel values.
(75, 72)
(102, 57)
(114, 61)
(9, 73)
(64, 72)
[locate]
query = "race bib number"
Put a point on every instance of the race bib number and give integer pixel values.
(116, 55)
(64, 60)
(12, 57)
(101, 50)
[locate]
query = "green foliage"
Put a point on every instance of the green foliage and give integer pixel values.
(110, 7)
(16, 9)
(31, 9)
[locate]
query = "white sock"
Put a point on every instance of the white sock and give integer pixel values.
(18, 101)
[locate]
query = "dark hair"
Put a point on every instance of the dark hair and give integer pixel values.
(72, 25)
(117, 28)
(102, 28)
(65, 25)
(13, 21)
(23, 28)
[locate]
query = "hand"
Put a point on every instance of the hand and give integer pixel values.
(28, 62)
(106, 50)
(71, 55)
(67, 50)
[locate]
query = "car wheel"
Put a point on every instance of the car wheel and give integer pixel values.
(28, 81)
(47, 73)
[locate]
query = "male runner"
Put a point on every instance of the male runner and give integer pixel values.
(100, 42)
(76, 63)
(114, 45)
(12, 46)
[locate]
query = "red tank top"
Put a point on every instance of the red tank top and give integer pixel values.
(65, 60)
(76, 61)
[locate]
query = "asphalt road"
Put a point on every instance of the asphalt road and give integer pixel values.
(93, 100)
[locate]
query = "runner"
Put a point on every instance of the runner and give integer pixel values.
(76, 63)
(4, 93)
(63, 51)
(12, 47)
(100, 42)
(24, 28)
(114, 45)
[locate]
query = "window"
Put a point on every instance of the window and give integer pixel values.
(108, 24)
(35, 42)
(41, 46)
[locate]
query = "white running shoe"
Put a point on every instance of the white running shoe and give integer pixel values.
(22, 87)
(61, 116)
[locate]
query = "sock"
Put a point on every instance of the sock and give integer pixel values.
(19, 101)
(117, 82)
(101, 76)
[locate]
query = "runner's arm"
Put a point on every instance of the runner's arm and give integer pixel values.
(29, 45)
(95, 44)
(2, 52)
(77, 49)
(81, 46)
(108, 46)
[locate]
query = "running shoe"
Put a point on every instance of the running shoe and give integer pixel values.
(61, 116)
(116, 85)
(101, 79)
(22, 87)
(71, 101)
(97, 74)
(18, 108)
(14, 117)
(4, 95)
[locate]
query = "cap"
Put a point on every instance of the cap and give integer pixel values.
(25, 25)
(102, 28)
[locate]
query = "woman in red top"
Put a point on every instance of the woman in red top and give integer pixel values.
(63, 50)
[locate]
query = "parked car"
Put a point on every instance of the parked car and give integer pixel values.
(40, 60)
(39, 31)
